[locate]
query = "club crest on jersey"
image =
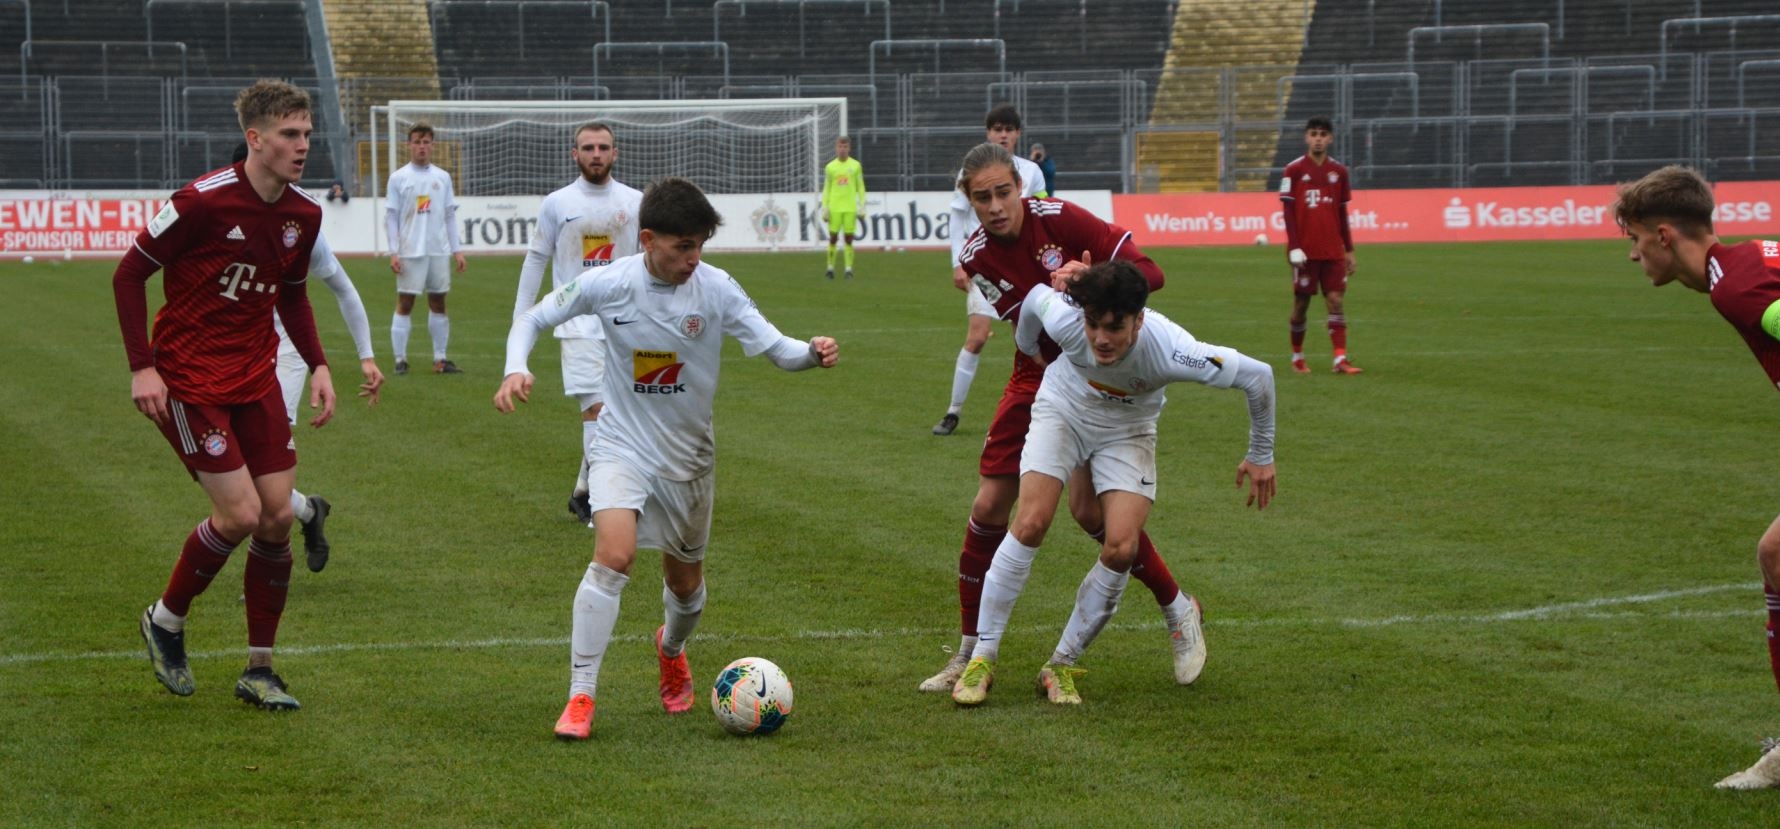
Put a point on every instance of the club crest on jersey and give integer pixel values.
(596, 251)
(691, 326)
(1050, 257)
(215, 443)
(656, 372)
(1334, 177)
(1140, 385)
(292, 232)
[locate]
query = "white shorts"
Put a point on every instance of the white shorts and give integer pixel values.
(1122, 459)
(293, 375)
(977, 305)
(424, 274)
(584, 370)
(672, 516)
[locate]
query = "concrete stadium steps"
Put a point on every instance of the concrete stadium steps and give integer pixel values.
(1207, 37)
(383, 51)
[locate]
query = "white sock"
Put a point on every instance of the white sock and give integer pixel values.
(596, 611)
(587, 427)
(1095, 603)
(1176, 610)
(165, 620)
(439, 326)
(680, 617)
(299, 505)
(962, 374)
(1001, 588)
(968, 645)
(399, 327)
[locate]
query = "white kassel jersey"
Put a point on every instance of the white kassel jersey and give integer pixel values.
(421, 216)
(581, 226)
(324, 265)
(1130, 393)
(964, 219)
(664, 350)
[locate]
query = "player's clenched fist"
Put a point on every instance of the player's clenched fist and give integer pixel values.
(826, 351)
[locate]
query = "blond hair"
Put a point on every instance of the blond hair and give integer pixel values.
(1674, 195)
(267, 101)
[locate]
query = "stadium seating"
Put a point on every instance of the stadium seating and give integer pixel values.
(1126, 94)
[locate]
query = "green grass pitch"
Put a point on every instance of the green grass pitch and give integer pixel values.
(1509, 578)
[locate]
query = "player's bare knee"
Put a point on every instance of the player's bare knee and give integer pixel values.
(1767, 555)
(435, 303)
(275, 521)
(1030, 529)
(683, 581)
(1118, 554)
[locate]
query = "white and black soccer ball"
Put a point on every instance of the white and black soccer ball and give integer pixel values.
(1260, 239)
(751, 696)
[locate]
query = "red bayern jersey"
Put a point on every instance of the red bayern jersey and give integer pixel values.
(1317, 195)
(1053, 232)
(225, 255)
(1745, 280)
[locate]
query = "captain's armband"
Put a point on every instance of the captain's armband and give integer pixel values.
(1770, 320)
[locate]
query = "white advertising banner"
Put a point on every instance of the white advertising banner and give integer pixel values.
(103, 224)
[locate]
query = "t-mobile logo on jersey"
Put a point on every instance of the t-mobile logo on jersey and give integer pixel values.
(238, 278)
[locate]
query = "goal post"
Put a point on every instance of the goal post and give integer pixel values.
(512, 148)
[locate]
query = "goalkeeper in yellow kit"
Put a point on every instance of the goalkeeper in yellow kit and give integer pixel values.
(843, 199)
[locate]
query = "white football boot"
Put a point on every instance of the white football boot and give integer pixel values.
(1765, 774)
(1189, 644)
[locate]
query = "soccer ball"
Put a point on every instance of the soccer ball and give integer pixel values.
(29, 259)
(1260, 238)
(751, 696)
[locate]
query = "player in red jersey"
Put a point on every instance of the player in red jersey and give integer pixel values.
(234, 245)
(1024, 242)
(1668, 217)
(1316, 189)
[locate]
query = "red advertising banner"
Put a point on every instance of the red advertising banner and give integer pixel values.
(1456, 215)
(49, 225)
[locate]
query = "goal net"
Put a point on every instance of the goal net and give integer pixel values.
(517, 148)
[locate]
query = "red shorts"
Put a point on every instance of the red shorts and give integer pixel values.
(225, 438)
(1327, 275)
(1007, 432)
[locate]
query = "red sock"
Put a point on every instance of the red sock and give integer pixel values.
(973, 563)
(1149, 568)
(1297, 338)
(1338, 335)
(265, 584)
(203, 556)
(1773, 626)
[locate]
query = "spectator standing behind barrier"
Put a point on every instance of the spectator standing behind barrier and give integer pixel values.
(1046, 166)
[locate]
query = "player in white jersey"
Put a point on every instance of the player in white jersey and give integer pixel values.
(587, 224)
(421, 219)
(1099, 402)
(293, 376)
(664, 314)
(1003, 129)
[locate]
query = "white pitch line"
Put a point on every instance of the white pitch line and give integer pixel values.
(1578, 610)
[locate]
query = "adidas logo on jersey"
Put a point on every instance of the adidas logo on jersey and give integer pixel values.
(237, 235)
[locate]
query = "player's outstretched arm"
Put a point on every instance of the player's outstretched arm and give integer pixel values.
(514, 387)
(321, 395)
